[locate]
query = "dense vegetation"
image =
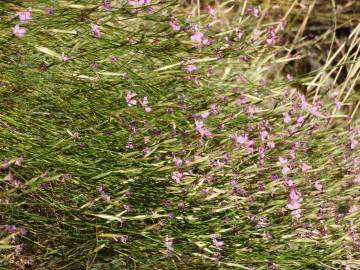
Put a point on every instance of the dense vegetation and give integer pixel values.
(136, 136)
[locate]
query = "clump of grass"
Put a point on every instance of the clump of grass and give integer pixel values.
(136, 137)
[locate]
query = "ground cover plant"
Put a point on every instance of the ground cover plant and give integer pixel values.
(135, 135)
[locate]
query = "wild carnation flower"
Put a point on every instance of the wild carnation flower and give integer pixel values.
(216, 241)
(138, 3)
(177, 177)
(287, 117)
(253, 11)
(174, 23)
(106, 5)
(318, 185)
(95, 30)
(190, 67)
(211, 12)
(19, 31)
(145, 104)
(25, 16)
(305, 167)
(289, 77)
(271, 38)
(354, 143)
(130, 98)
(199, 38)
(239, 33)
(263, 135)
(204, 132)
(270, 144)
(295, 199)
(64, 58)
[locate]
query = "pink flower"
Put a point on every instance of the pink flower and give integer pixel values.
(216, 241)
(304, 103)
(199, 38)
(211, 12)
(305, 167)
(214, 109)
(204, 132)
(287, 117)
(205, 115)
(293, 205)
(190, 67)
(138, 3)
(289, 77)
(177, 177)
(174, 23)
(271, 37)
(354, 143)
(263, 135)
(145, 104)
(285, 170)
(295, 199)
(282, 26)
(106, 5)
(318, 185)
(283, 161)
(24, 16)
(300, 120)
(19, 31)
(338, 104)
(253, 11)
(239, 33)
(270, 144)
(95, 30)
(239, 139)
(64, 58)
(129, 98)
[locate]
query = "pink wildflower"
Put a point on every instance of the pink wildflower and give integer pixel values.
(216, 241)
(205, 115)
(318, 185)
(287, 117)
(295, 199)
(354, 143)
(253, 11)
(282, 26)
(270, 144)
(271, 37)
(263, 135)
(95, 30)
(64, 58)
(19, 31)
(199, 38)
(305, 167)
(129, 98)
(138, 3)
(211, 12)
(190, 67)
(174, 23)
(177, 177)
(25, 16)
(289, 77)
(106, 5)
(145, 104)
(204, 132)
